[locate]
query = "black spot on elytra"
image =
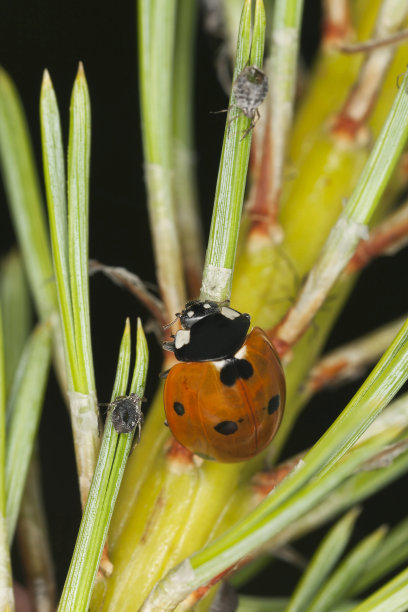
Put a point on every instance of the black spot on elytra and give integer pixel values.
(178, 408)
(226, 428)
(234, 369)
(273, 404)
(240, 420)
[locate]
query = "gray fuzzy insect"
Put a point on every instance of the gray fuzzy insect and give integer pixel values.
(127, 414)
(249, 89)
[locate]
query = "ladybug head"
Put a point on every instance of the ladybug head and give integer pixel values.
(195, 311)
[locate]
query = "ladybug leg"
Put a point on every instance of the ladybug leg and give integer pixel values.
(168, 345)
(163, 375)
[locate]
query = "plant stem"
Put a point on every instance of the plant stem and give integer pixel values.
(156, 28)
(34, 543)
(338, 584)
(23, 412)
(220, 257)
(17, 313)
(69, 235)
(6, 590)
(392, 597)
(349, 361)
(188, 221)
(324, 559)
(24, 196)
(115, 449)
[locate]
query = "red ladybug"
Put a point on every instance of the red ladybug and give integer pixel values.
(225, 400)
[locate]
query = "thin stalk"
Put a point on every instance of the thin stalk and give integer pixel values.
(6, 580)
(69, 235)
(24, 196)
(132, 283)
(324, 559)
(369, 45)
(385, 239)
(349, 361)
(34, 542)
(279, 604)
(392, 597)
(338, 585)
(55, 185)
(359, 487)
(221, 250)
(188, 221)
(261, 604)
(23, 412)
(156, 29)
(17, 314)
(358, 106)
(115, 449)
(27, 211)
(392, 553)
(79, 148)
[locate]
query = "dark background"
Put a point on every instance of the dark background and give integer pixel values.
(40, 34)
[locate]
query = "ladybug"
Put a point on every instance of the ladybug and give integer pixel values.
(224, 401)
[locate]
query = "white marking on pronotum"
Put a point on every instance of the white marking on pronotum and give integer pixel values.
(182, 338)
(207, 305)
(190, 313)
(229, 313)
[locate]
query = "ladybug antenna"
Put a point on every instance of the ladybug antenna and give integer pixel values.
(172, 323)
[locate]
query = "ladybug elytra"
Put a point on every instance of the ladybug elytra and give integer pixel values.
(224, 401)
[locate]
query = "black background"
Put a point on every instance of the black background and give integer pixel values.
(40, 34)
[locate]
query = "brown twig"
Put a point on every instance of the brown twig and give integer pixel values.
(131, 282)
(386, 457)
(370, 45)
(350, 124)
(351, 360)
(263, 206)
(386, 239)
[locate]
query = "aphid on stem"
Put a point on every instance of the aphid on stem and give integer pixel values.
(250, 90)
(127, 414)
